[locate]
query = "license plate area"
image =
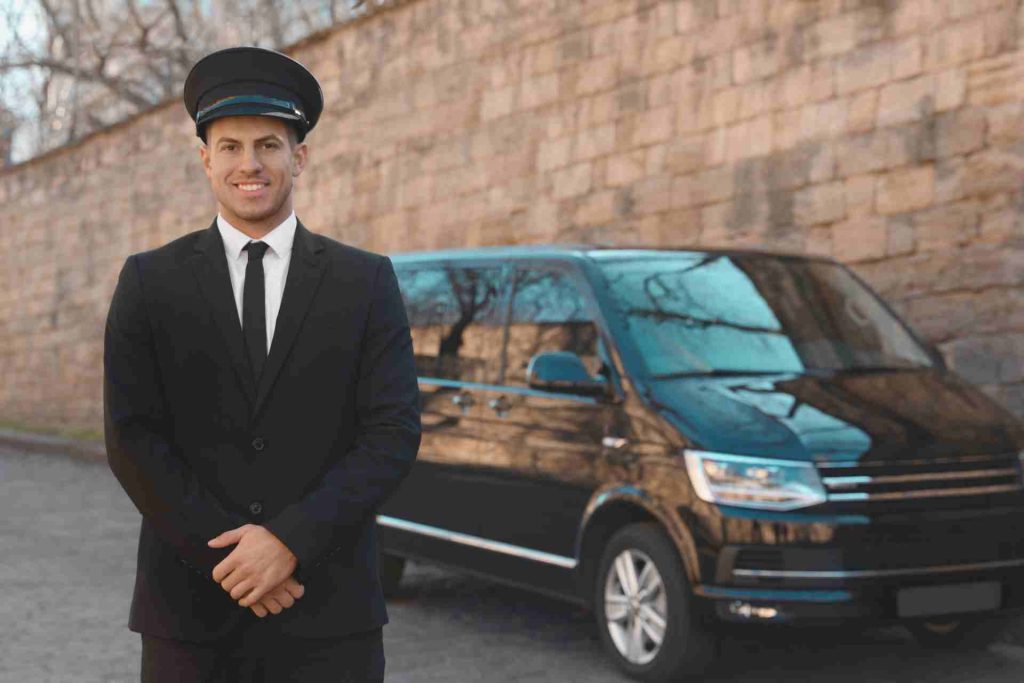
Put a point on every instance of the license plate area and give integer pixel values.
(925, 601)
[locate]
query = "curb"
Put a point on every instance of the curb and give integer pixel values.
(90, 451)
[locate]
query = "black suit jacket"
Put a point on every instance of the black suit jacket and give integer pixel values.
(309, 453)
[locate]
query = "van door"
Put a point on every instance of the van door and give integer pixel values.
(456, 317)
(546, 446)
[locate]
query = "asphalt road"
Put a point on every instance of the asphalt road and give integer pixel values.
(67, 545)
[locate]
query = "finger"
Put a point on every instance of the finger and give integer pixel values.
(255, 595)
(233, 579)
(294, 588)
(224, 568)
(272, 604)
(229, 537)
(259, 609)
(284, 598)
(240, 590)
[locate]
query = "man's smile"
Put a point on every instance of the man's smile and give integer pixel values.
(252, 188)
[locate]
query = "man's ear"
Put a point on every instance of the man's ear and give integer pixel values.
(300, 155)
(204, 156)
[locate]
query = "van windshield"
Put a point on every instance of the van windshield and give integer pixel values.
(707, 314)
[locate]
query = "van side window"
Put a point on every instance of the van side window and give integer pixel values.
(548, 314)
(455, 316)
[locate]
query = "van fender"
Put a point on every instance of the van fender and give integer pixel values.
(625, 494)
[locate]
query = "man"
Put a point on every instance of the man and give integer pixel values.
(260, 402)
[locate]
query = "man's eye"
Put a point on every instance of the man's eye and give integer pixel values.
(271, 145)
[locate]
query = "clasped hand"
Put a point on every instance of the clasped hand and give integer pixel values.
(258, 572)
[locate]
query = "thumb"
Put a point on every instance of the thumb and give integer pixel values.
(229, 537)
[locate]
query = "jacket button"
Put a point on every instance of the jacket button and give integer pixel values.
(255, 507)
(258, 443)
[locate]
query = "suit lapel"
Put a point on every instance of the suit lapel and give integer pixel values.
(209, 264)
(305, 271)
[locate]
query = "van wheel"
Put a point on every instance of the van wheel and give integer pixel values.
(967, 632)
(643, 608)
(391, 569)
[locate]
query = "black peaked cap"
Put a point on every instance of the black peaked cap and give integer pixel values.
(252, 81)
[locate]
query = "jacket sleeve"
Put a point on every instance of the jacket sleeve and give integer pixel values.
(388, 424)
(136, 427)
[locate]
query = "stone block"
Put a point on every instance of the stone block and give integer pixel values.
(824, 203)
(538, 91)
(956, 43)
(905, 101)
(950, 89)
(860, 239)
(652, 126)
(597, 207)
(552, 154)
(949, 180)
(861, 153)
(860, 195)
(900, 236)
(864, 68)
(946, 227)
(905, 58)
(685, 154)
(624, 168)
(960, 132)
(572, 181)
(992, 171)
(497, 103)
(756, 61)
(862, 110)
(594, 142)
(597, 75)
(905, 189)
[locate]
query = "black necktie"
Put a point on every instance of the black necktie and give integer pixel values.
(254, 317)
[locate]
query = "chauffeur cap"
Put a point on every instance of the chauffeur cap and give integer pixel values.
(252, 81)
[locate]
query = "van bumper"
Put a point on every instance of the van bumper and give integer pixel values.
(879, 596)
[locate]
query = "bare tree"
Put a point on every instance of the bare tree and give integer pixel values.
(69, 67)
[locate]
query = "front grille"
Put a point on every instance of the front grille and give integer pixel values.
(935, 478)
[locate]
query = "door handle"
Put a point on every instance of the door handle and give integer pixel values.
(616, 451)
(499, 405)
(464, 401)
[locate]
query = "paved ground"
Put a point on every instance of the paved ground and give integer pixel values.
(67, 543)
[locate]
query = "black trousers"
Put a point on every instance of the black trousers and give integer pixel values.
(258, 654)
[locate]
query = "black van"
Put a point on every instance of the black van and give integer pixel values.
(676, 437)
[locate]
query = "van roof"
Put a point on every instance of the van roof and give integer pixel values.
(577, 251)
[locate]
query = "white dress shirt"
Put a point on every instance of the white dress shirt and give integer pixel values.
(275, 265)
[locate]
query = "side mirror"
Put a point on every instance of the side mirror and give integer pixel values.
(562, 371)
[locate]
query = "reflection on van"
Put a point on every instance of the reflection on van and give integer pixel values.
(681, 438)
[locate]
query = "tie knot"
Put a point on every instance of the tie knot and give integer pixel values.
(256, 250)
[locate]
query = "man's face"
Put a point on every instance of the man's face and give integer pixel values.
(251, 161)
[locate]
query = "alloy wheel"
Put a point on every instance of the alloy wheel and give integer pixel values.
(635, 606)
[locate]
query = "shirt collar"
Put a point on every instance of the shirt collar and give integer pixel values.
(279, 239)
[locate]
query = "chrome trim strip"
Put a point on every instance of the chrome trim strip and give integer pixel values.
(505, 389)
(926, 493)
(927, 476)
(476, 542)
(874, 573)
(858, 465)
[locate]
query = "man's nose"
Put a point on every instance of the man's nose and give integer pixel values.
(250, 160)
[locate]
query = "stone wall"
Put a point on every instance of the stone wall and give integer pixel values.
(888, 134)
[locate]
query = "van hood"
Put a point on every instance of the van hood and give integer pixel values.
(877, 415)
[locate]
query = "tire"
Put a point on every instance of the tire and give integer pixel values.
(391, 569)
(687, 647)
(959, 631)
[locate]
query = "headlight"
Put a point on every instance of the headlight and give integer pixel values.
(749, 482)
